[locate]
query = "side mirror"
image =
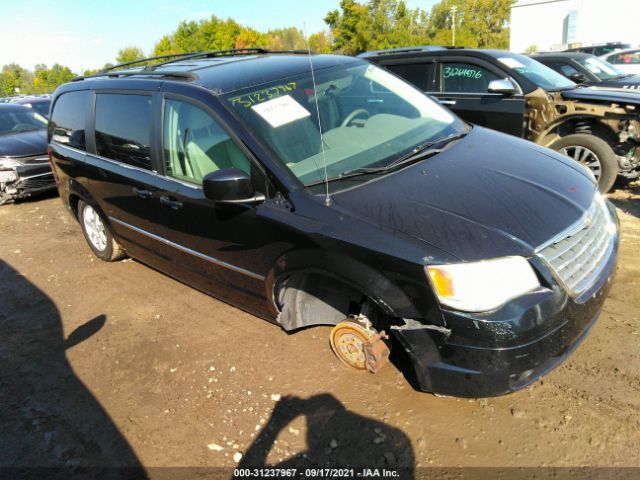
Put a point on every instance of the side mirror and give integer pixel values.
(577, 77)
(230, 185)
(503, 86)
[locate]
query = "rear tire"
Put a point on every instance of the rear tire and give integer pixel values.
(97, 234)
(592, 152)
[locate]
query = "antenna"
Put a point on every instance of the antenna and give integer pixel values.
(327, 199)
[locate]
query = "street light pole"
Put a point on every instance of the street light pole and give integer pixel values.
(454, 9)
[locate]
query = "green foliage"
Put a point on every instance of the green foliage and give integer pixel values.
(14, 76)
(47, 79)
(375, 25)
(479, 23)
(129, 54)
(290, 38)
(209, 34)
(378, 24)
(320, 42)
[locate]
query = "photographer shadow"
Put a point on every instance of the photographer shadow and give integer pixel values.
(336, 438)
(51, 426)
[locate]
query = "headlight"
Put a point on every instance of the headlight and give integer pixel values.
(8, 163)
(482, 286)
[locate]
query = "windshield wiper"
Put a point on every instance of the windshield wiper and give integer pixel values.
(418, 153)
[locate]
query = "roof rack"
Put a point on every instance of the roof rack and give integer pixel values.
(391, 51)
(142, 60)
(177, 57)
(177, 74)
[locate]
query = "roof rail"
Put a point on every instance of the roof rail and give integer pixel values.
(391, 51)
(221, 53)
(177, 57)
(177, 74)
(142, 60)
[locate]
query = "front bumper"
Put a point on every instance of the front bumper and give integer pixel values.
(504, 351)
(26, 180)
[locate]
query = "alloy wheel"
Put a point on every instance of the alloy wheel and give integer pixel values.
(94, 227)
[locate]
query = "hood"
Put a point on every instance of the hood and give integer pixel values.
(23, 144)
(629, 82)
(488, 195)
(600, 94)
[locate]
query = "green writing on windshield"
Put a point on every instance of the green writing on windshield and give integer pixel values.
(249, 99)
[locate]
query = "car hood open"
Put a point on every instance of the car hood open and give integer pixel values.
(487, 195)
(23, 144)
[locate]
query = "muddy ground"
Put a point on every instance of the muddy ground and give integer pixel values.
(116, 364)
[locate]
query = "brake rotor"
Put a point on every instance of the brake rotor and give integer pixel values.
(347, 342)
(359, 346)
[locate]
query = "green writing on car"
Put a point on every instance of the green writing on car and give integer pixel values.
(450, 72)
(253, 98)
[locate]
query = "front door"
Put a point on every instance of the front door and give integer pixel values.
(464, 89)
(226, 250)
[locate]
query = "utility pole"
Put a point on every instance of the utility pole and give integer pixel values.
(454, 9)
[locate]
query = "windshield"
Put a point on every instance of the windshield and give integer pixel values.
(600, 68)
(369, 118)
(537, 73)
(23, 120)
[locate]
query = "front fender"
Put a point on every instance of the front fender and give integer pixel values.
(353, 272)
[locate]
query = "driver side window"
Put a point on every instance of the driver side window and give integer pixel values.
(195, 144)
(465, 78)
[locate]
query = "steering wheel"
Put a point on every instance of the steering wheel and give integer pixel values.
(352, 116)
(19, 127)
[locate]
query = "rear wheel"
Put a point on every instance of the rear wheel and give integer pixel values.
(592, 152)
(97, 234)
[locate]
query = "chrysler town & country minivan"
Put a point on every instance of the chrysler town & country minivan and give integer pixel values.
(324, 190)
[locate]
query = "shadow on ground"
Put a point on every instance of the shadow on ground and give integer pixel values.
(627, 199)
(51, 426)
(336, 438)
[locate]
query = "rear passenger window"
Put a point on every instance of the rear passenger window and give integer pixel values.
(194, 144)
(67, 125)
(415, 73)
(123, 128)
(466, 78)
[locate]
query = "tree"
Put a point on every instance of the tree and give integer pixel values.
(290, 38)
(14, 76)
(375, 25)
(320, 42)
(129, 54)
(47, 80)
(479, 23)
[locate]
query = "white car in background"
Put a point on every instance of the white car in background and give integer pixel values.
(626, 60)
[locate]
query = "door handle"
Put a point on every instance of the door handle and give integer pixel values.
(448, 102)
(173, 204)
(142, 192)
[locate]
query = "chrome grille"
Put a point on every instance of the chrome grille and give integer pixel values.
(578, 255)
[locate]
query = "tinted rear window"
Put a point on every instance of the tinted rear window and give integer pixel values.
(123, 128)
(68, 120)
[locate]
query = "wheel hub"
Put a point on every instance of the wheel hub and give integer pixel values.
(95, 228)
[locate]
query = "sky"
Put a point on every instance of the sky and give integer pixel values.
(83, 34)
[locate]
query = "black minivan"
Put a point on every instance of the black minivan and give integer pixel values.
(324, 190)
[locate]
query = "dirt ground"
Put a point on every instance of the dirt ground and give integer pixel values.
(117, 364)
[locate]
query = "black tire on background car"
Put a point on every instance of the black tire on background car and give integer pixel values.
(594, 153)
(97, 234)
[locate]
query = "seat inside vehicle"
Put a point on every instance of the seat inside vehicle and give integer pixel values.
(200, 146)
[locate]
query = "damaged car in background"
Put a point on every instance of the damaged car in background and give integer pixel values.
(323, 190)
(515, 94)
(24, 164)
